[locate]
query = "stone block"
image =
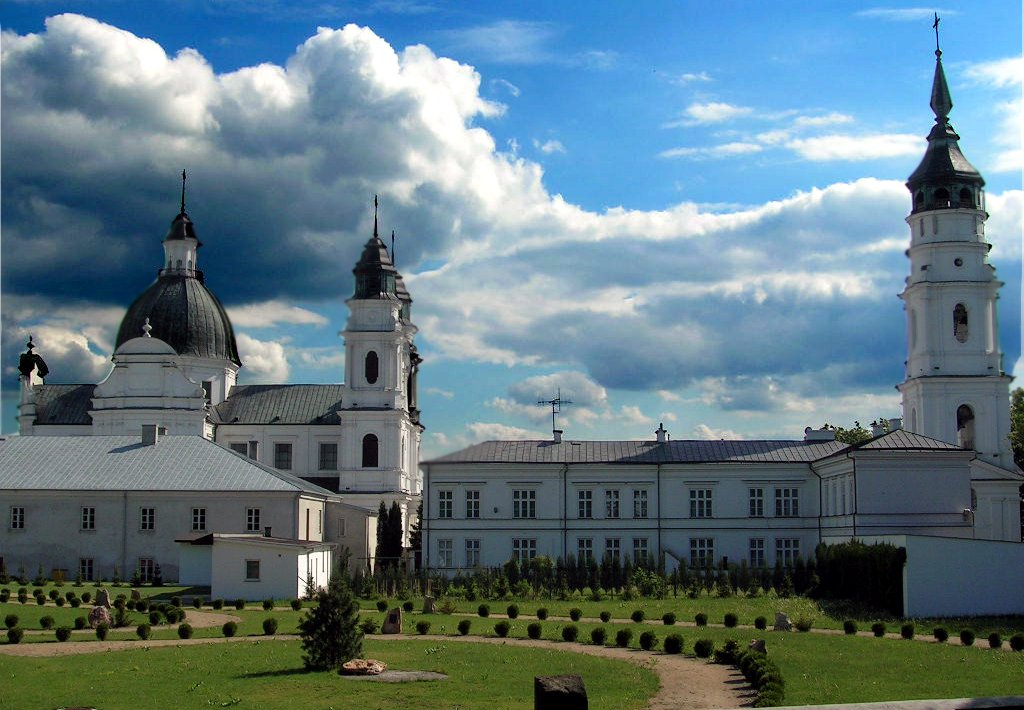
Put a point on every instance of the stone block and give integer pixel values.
(782, 622)
(392, 622)
(559, 692)
(428, 605)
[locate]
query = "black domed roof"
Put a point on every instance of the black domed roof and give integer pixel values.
(184, 314)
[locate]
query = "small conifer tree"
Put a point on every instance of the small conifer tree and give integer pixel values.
(330, 630)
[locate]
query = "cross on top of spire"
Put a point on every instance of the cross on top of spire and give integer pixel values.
(935, 26)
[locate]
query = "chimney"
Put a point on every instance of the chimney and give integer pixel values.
(895, 424)
(823, 434)
(877, 429)
(558, 435)
(661, 434)
(266, 531)
(150, 434)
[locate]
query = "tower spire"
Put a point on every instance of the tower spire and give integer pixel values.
(183, 192)
(375, 216)
(935, 26)
(942, 101)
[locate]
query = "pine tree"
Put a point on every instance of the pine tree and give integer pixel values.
(394, 533)
(382, 525)
(330, 630)
(415, 532)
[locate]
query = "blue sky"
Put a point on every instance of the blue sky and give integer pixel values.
(673, 211)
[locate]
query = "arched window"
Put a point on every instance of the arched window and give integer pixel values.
(966, 198)
(942, 197)
(960, 322)
(913, 328)
(371, 367)
(965, 426)
(913, 419)
(919, 201)
(179, 264)
(370, 451)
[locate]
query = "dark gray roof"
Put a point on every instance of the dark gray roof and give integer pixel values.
(280, 404)
(644, 452)
(63, 404)
(902, 440)
(105, 463)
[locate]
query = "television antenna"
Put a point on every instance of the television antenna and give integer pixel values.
(556, 407)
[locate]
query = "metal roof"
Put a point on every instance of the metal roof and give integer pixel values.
(280, 404)
(903, 440)
(116, 463)
(63, 404)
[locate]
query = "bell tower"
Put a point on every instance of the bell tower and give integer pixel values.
(955, 388)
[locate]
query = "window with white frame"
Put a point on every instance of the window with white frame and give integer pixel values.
(17, 517)
(88, 518)
(787, 549)
(639, 502)
(611, 504)
(756, 558)
(240, 448)
(86, 568)
(585, 548)
(787, 502)
(283, 456)
(472, 504)
(328, 456)
(444, 504)
(700, 503)
(320, 522)
(198, 519)
(147, 519)
(472, 553)
(756, 502)
(585, 500)
(252, 519)
(444, 553)
(702, 552)
(341, 527)
(613, 548)
(146, 568)
(252, 570)
(640, 550)
(524, 549)
(524, 503)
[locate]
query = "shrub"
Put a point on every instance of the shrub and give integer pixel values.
(728, 654)
(14, 635)
(368, 626)
(185, 631)
(218, 604)
(229, 629)
(575, 614)
(269, 626)
(60, 601)
(598, 636)
(464, 625)
(81, 622)
(512, 611)
(382, 605)
(101, 632)
(5, 595)
(907, 631)
(995, 640)
(623, 637)
(408, 606)
(75, 602)
(703, 648)
(296, 604)
(268, 604)
(878, 629)
(940, 634)
(967, 637)
(154, 617)
(668, 618)
(605, 616)
(422, 627)
(1017, 642)
(86, 597)
(502, 628)
(570, 632)
(40, 600)
(849, 627)
(239, 604)
(144, 631)
(637, 616)
(483, 610)
(534, 630)
(22, 598)
(761, 623)
(11, 620)
(701, 619)
(197, 602)
(46, 622)
(730, 620)
(54, 594)
(648, 640)
(803, 623)
(673, 644)
(330, 629)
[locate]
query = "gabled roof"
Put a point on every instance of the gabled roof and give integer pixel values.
(115, 463)
(902, 440)
(644, 452)
(63, 404)
(280, 404)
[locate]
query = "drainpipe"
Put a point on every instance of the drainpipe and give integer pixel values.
(565, 508)
(820, 500)
(854, 494)
(661, 561)
(125, 574)
(424, 527)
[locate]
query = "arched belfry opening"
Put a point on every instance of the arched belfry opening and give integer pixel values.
(960, 331)
(371, 457)
(965, 426)
(371, 367)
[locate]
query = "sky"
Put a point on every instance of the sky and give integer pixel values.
(675, 212)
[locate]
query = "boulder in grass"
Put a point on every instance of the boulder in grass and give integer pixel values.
(782, 622)
(100, 615)
(758, 645)
(363, 666)
(559, 692)
(136, 595)
(102, 598)
(392, 622)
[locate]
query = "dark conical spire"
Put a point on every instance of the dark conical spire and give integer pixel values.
(375, 272)
(942, 102)
(181, 226)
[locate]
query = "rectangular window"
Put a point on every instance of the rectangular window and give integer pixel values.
(283, 456)
(639, 503)
(787, 549)
(700, 503)
(787, 502)
(585, 501)
(444, 504)
(252, 519)
(756, 502)
(640, 550)
(85, 568)
(611, 504)
(702, 552)
(524, 549)
(254, 450)
(17, 518)
(444, 553)
(585, 548)
(146, 569)
(612, 548)
(524, 504)
(147, 519)
(341, 527)
(242, 448)
(88, 518)
(472, 504)
(328, 456)
(252, 570)
(198, 519)
(472, 553)
(756, 552)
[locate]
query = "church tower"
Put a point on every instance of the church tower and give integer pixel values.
(955, 388)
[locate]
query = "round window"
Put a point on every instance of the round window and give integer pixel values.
(958, 261)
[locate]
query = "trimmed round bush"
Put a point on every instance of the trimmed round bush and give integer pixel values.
(701, 619)
(512, 611)
(81, 622)
(408, 606)
(86, 597)
(995, 640)
(154, 617)
(703, 648)
(648, 640)
(623, 637)
(483, 610)
(967, 637)
(849, 627)
(101, 632)
(605, 616)
(940, 634)
(730, 620)
(668, 618)
(1017, 642)
(761, 623)
(11, 620)
(673, 644)
(185, 631)
(143, 631)
(176, 600)
(63, 633)
(46, 622)
(422, 627)
(502, 628)
(542, 613)
(268, 604)
(60, 601)
(598, 636)
(5, 595)
(534, 630)
(23, 599)
(218, 604)
(239, 604)
(269, 626)
(575, 614)
(41, 600)
(637, 616)
(54, 594)
(464, 625)
(75, 602)
(296, 604)
(15, 635)
(570, 632)
(382, 605)
(229, 629)
(907, 631)
(197, 602)
(878, 629)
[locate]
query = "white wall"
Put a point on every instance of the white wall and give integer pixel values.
(282, 569)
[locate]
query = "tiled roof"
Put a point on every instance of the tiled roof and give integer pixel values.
(63, 404)
(901, 440)
(174, 463)
(280, 404)
(644, 452)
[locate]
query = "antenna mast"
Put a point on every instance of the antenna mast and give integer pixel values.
(556, 407)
